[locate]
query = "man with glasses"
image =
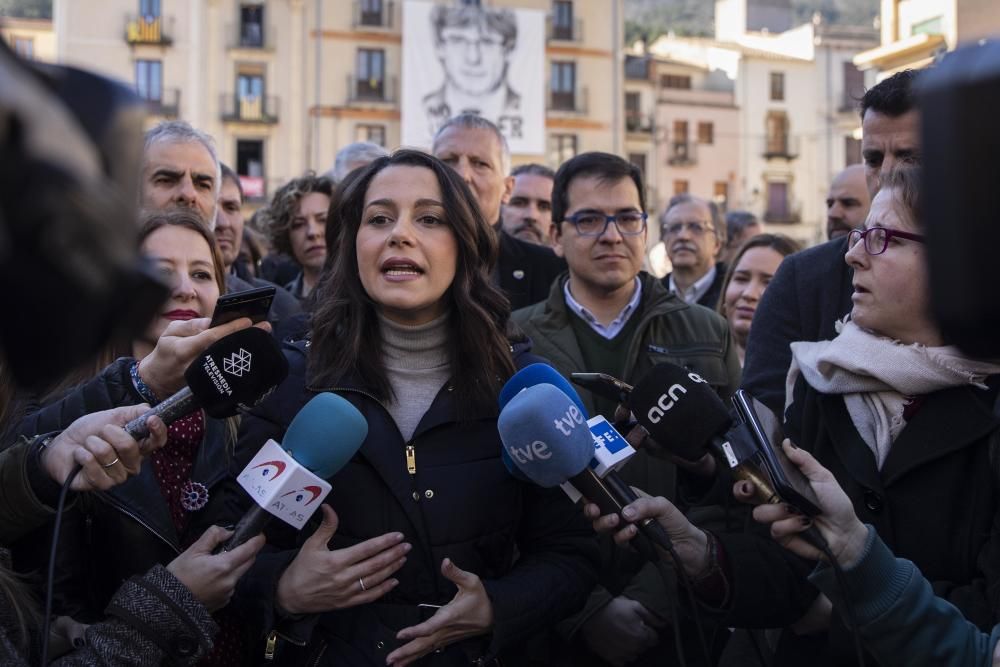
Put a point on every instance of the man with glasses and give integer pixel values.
(607, 315)
(693, 234)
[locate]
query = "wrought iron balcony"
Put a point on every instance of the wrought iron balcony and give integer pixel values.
(148, 30)
(249, 109)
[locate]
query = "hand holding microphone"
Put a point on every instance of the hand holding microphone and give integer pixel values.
(99, 444)
(162, 370)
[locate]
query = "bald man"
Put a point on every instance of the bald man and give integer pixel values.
(847, 202)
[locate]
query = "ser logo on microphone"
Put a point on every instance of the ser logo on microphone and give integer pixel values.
(673, 394)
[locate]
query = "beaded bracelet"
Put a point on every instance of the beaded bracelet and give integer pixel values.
(140, 386)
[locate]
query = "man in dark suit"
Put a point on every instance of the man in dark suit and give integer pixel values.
(812, 289)
(694, 234)
(475, 148)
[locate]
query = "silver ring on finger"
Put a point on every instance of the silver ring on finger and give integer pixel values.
(361, 581)
(108, 465)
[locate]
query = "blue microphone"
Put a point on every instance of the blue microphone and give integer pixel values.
(547, 438)
(325, 434)
(529, 376)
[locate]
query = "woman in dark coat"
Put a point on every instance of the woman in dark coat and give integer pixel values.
(428, 551)
(906, 425)
(154, 516)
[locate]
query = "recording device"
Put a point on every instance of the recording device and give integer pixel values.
(235, 372)
(253, 303)
(529, 376)
(604, 385)
(788, 482)
(70, 170)
(548, 438)
(288, 481)
(682, 412)
(958, 99)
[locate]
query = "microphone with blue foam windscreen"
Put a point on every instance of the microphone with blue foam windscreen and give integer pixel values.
(547, 437)
(289, 480)
(529, 376)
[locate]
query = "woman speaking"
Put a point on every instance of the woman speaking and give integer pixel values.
(427, 547)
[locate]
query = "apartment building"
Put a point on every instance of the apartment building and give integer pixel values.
(283, 84)
(29, 38)
(915, 32)
(796, 92)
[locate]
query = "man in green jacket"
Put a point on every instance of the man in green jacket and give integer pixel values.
(607, 315)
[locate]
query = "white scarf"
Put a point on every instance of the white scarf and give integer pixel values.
(878, 375)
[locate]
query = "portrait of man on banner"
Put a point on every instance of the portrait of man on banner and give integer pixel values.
(474, 46)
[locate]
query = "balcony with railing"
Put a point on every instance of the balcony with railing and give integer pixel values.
(372, 91)
(249, 108)
(636, 121)
(157, 30)
(779, 147)
(564, 32)
(571, 101)
(250, 35)
(785, 213)
(682, 153)
(368, 15)
(167, 106)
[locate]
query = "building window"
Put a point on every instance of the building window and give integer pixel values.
(854, 86)
(372, 133)
(250, 96)
(706, 133)
(777, 202)
(252, 26)
(561, 148)
(639, 160)
(149, 9)
(633, 112)
(371, 74)
(680, 187)
(678, 81)
(149, 80)
(720, 194)
(250, 168)
(472, 3)
(680, 131)
(562, 19)
(371, 12)
(777, 86)
(852, 151)
(776, 127)
(24, 47)
(564, 86)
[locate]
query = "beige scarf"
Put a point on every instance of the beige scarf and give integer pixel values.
(878, 375)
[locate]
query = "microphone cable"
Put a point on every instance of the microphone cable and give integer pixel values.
(679, 574)
(47, 619)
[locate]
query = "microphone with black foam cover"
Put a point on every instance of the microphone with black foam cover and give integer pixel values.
(234, 373)
(529, 376)
(289, 480)
(682, 412)
(547, 437)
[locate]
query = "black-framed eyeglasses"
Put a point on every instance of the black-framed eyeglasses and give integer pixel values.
(595, 223)
(877, 238)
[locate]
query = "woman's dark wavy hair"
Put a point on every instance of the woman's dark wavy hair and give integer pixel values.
(346, 338)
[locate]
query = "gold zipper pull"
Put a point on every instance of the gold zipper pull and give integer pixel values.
(411, 459)
(269, 647)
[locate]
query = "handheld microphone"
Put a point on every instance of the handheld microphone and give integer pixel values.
(684, 414)
(548, 438)
(235, 372)
(529, 376)
(289, 480)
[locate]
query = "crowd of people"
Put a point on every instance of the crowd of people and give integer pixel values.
(414, 285)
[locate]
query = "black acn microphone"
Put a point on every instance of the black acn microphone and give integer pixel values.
(235, 372)
(682, 412)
